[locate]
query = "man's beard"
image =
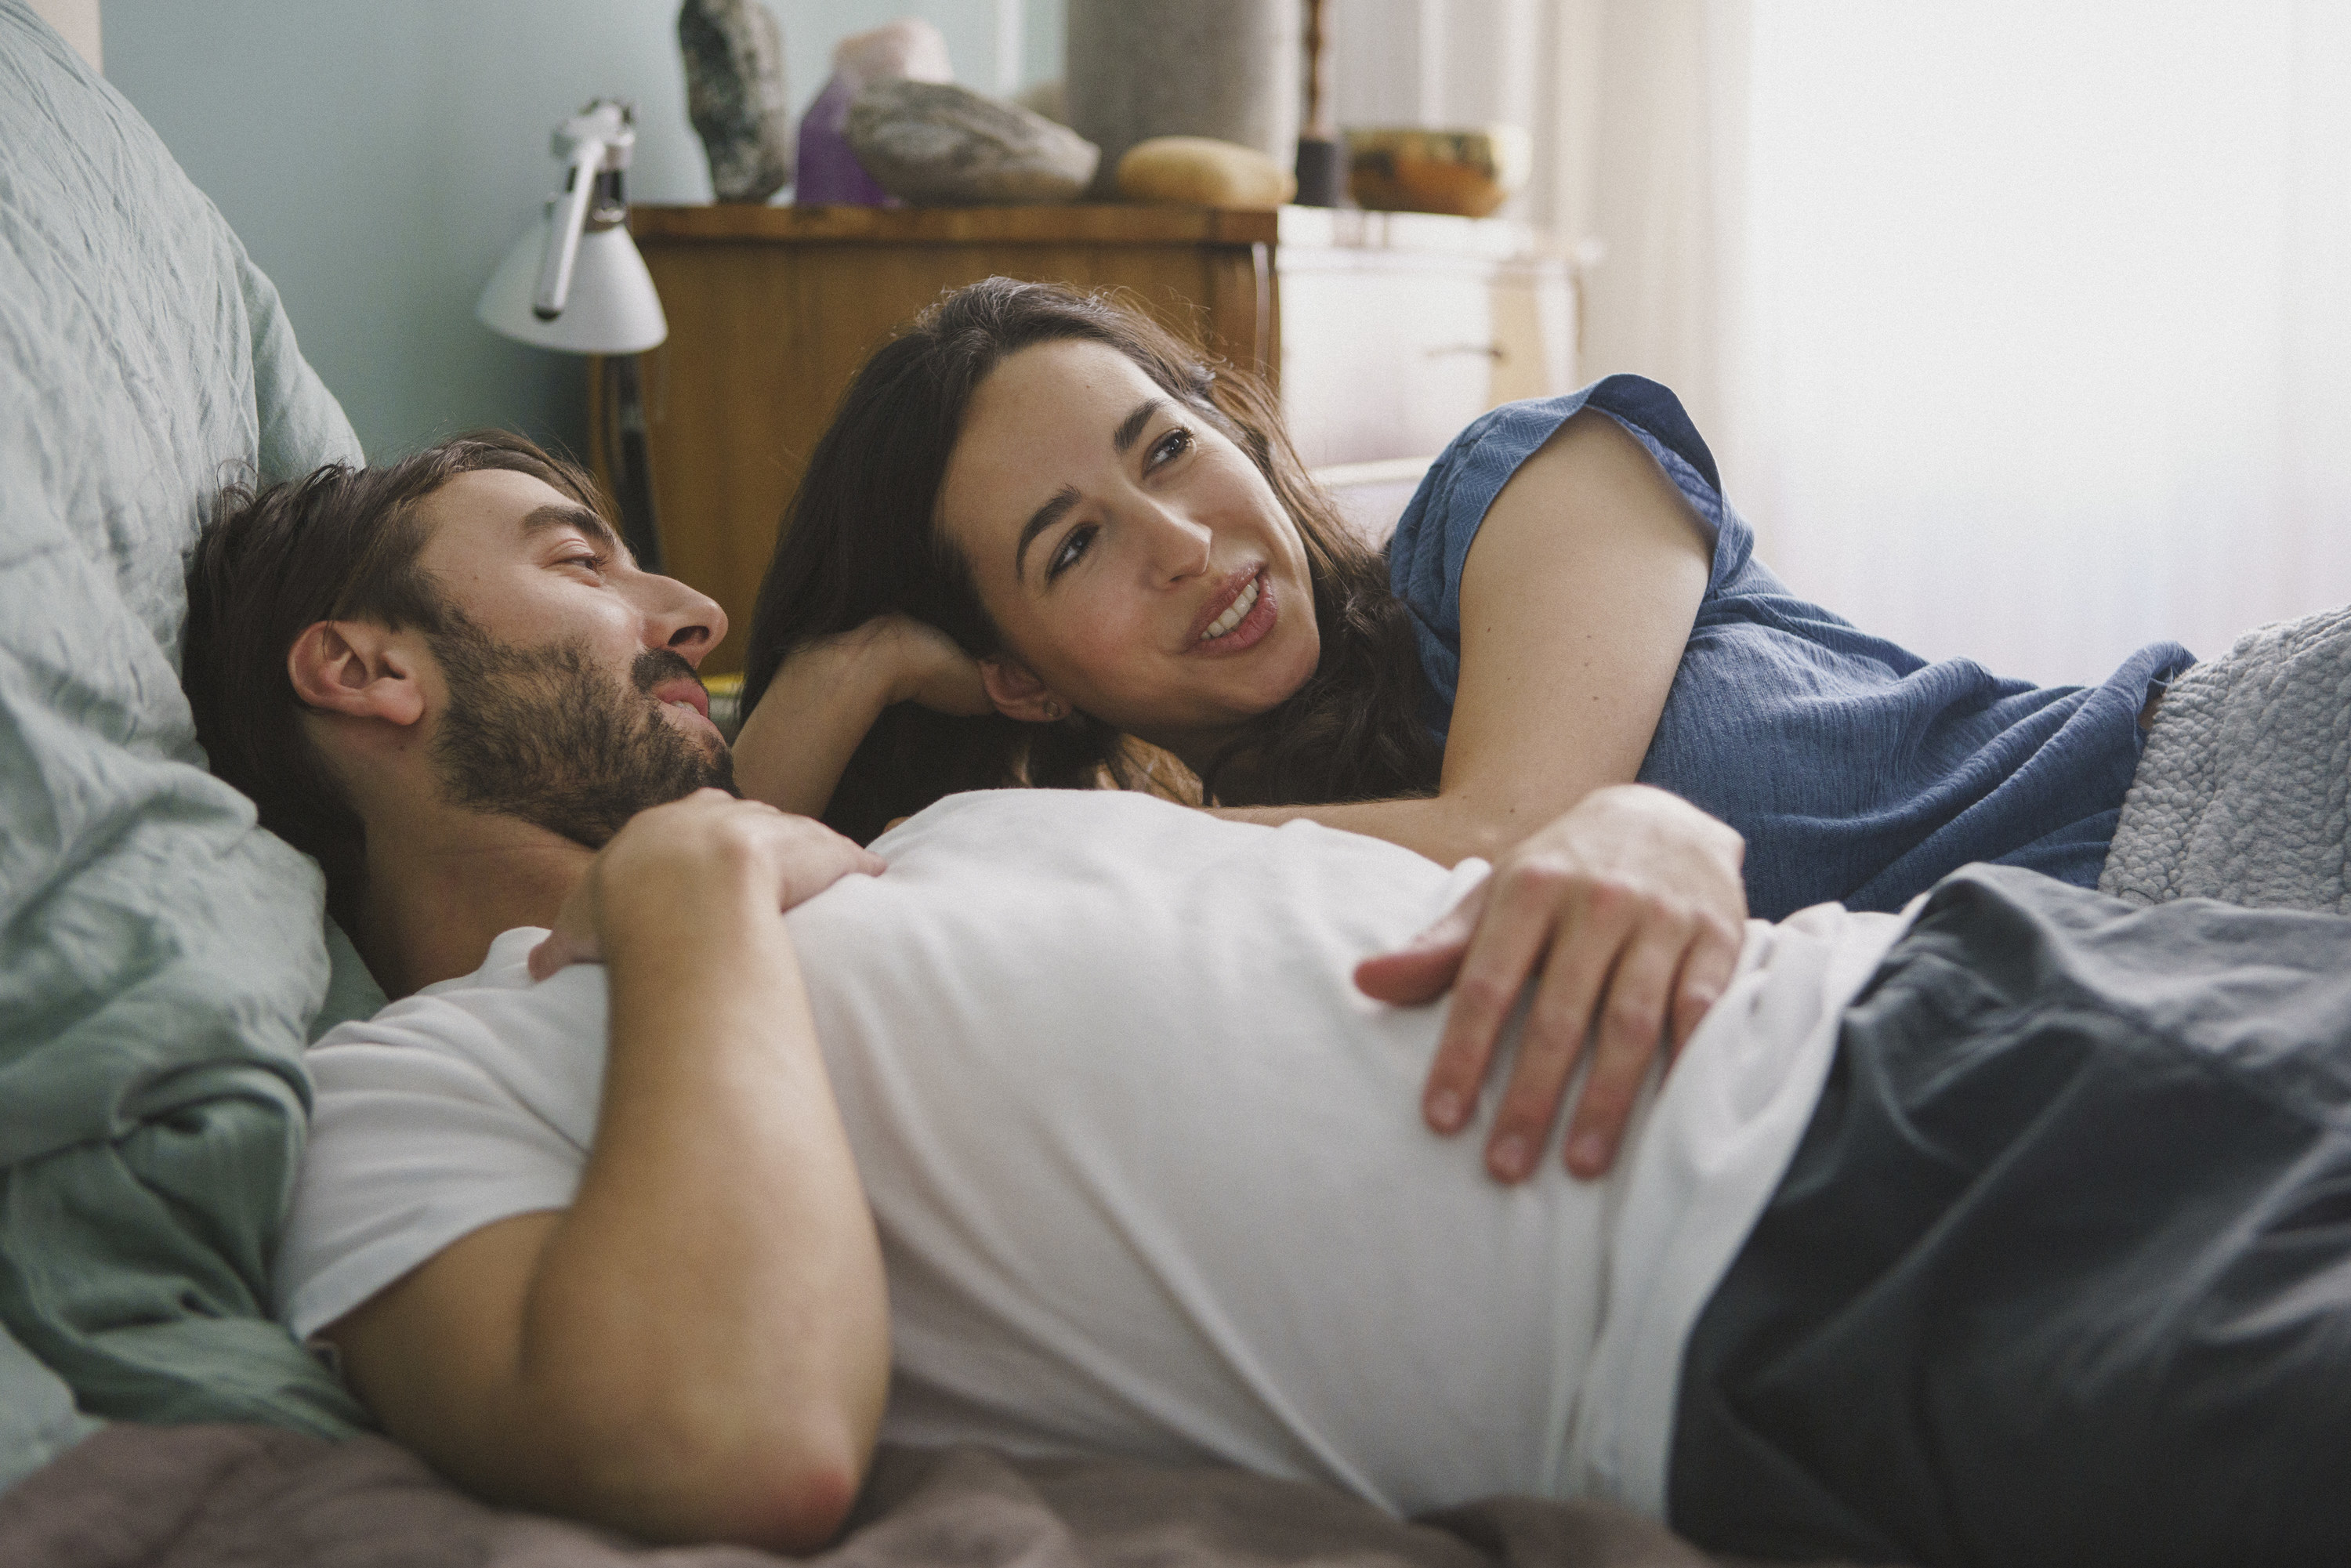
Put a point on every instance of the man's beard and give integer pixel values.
(545, 734)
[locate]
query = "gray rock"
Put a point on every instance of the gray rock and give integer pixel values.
(736, 95)
(1049, 98)
(936, 144)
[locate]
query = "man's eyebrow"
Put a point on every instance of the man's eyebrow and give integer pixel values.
(539, 519)
(1044, 517)
(1123, 438)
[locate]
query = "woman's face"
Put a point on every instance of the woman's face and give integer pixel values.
(1136, 561)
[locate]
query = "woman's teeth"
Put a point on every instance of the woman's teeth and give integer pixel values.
(1233, 613)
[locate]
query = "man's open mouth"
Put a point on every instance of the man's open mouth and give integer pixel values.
(686, 691)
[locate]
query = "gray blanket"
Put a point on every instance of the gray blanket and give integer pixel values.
(2244, 791)
(253, 1497)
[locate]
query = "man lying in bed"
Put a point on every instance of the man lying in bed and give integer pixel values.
(2011, 1232)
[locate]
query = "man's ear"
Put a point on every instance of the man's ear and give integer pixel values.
(356, 669)
(1017, 692)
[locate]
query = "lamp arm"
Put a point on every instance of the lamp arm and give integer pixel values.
(563, 238)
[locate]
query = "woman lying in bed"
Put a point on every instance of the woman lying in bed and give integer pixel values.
(1039, 526)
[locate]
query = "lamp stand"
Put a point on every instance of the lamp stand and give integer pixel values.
(625, 458)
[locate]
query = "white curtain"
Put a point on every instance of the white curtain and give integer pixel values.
(2023, 330)
(1638, 131)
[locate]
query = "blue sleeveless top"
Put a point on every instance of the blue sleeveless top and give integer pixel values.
(1857, 771)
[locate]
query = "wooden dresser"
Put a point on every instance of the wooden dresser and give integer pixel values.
(1384, 333)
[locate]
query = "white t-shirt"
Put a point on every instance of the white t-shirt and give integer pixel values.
(1150, 1174)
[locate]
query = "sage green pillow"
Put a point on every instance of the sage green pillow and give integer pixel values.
(159, 954)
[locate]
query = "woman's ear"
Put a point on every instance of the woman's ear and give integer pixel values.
(355, 669)
(1017, 692)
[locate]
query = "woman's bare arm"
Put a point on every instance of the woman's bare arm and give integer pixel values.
(824, 698)
(698, 1348)
(1576, 603)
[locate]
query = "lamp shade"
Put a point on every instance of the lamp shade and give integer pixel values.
(611, 307)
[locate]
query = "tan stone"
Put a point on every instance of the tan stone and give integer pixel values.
(1201, 171)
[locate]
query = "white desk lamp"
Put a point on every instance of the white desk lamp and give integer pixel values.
(574, 282)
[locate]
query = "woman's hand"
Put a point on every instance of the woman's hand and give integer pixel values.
(929, 667)
(814, 716)
(708, 833)
(1631, 909)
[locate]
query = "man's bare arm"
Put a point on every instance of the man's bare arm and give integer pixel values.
(697, 1349)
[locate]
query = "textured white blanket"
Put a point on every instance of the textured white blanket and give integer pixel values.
(2244, 792)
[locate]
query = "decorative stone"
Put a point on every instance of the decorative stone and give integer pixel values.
(1468, 173)
(735, 94)
(1223, 68)
(939, 145)
(828, 172)
(1201, 171)
(1049, 98)
(908, 47)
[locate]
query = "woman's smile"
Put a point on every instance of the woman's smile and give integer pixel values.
(1248, 613)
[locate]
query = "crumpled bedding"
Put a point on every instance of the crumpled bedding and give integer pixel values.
(160, 956)
(247, 1496)
(2244, 791)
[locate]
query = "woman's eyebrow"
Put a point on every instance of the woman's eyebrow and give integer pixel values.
(1045, 516)
(1123, 438)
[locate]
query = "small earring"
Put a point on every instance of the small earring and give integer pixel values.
(1053, 709)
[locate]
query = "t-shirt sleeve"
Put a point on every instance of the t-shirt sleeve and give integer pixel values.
(1430, 547)
(430, 1123)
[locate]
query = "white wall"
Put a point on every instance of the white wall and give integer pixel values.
(378, 158)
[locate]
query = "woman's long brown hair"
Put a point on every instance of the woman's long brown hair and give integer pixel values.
(862, 538)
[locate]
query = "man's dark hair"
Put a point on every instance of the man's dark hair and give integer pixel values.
(341, 544)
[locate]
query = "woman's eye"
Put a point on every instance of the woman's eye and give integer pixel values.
(1170, 446)
(1080, 539)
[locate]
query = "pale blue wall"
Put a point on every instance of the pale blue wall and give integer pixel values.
(379, 157)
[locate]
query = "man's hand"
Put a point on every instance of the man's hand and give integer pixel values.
(1631, 909)
(709, 833)
(697, 1347)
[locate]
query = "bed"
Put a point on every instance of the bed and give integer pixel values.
(162, 963)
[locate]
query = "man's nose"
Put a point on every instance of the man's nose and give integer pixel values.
(683, 619)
